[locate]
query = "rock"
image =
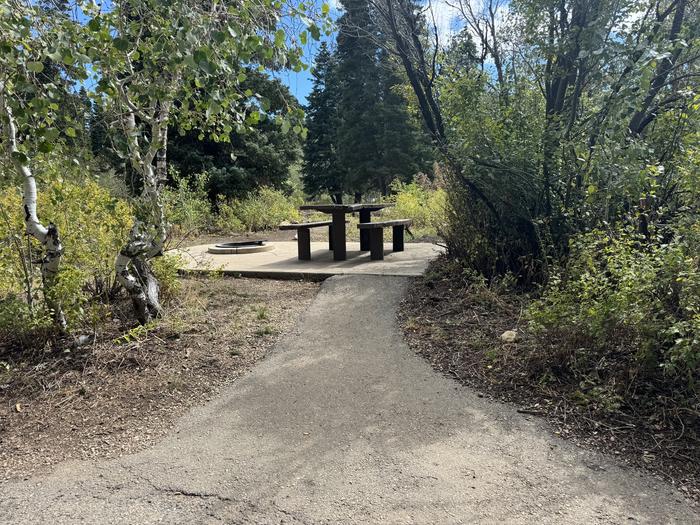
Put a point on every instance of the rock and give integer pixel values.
(509, 336)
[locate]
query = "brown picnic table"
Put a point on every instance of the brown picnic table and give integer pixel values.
(338, 212)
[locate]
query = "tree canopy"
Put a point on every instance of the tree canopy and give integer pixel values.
(362, 134)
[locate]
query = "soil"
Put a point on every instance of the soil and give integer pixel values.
(457, 327)
(123, 392)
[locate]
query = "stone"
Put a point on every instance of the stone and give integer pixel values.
(509, 336)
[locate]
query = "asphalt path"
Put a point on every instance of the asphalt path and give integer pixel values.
(342, 423)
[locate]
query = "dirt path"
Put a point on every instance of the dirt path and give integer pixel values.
(344, 424)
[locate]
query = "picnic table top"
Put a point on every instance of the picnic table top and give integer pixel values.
(345, 208)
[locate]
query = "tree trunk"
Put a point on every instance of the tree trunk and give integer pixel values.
(642, 118)
(47, 236)
(132, 263)
(145, 241)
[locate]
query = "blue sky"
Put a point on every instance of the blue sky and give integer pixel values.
(300, 83)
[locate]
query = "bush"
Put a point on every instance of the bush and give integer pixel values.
(165, 269)
(263, 210)
(625, 313)
(187, 207)
(93, 226)
(226, 219)
(420, 202)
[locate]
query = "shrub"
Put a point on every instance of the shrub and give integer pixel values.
(187, 207)
(631, 303)
(226, 219)
(93, 226)
(420, 202)
(165, 269)
(263, 210)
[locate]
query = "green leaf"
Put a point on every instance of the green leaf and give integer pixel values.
(253, 118)
(199, 56)
(206, 66)
(122, 44)
(315, 31)
(51, 134)
(94, 25)
(213, 109)
(325, 9)
(20, 157)
(71, 132)
(219, 37)
(303, 37)
(280, 37)
(35, 67)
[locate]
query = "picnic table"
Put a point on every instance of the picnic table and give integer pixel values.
(337, 212)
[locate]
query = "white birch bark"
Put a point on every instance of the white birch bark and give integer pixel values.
(47, 236)
(145, 241)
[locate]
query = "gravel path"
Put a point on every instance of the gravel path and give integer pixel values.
(344, 424)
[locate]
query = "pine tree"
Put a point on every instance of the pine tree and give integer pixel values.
(359, 127)
(322, 168)
(361, 135)
(377, 138)
(405, 148)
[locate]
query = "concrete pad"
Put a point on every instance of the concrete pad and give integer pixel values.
(281, 262)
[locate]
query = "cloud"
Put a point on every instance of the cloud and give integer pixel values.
(334, 5)
(447, 18)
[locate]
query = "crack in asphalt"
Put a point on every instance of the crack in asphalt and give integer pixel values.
(203, 495)
(175, 491)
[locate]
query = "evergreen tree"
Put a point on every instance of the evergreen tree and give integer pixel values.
(405, 149)
(359, 127)
(262, 156)
(322, 168)
(361, 135)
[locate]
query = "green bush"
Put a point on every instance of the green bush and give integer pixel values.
(165, 269)
(187, 207)
(263, 210)
(418, 201)
(93, 226)
(630, 302)
(226, 219)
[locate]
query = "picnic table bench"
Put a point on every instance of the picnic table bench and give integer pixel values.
(376, 236)
(304, 236)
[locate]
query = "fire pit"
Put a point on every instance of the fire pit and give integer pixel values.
(241, 247)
